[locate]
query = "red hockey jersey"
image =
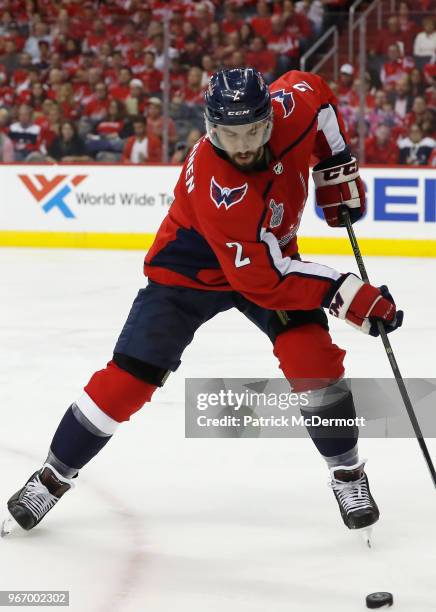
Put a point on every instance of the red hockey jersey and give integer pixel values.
(233, 230)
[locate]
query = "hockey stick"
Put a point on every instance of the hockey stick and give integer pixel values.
(345, 216)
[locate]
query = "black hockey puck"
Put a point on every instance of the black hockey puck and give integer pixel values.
(379, 600)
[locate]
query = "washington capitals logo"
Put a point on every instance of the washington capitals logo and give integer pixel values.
(286, 99)
(277, 213)
(225, 195)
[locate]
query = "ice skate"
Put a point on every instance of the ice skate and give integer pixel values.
(351, 488)
(30, 504)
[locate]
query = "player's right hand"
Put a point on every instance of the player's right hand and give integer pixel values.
(338, 186)
(362, 305)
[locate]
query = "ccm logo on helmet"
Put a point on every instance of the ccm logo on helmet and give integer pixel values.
(334, 173)
(241, 112)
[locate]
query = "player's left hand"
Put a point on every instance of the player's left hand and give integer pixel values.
(362, 305)
(337, 186)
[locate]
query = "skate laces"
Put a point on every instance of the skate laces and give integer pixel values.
(352, 495)
(37, 498)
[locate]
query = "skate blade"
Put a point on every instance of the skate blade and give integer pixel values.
(366, 535)
(7, 526)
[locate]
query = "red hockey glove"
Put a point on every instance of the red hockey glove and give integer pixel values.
(340, 185)
(361, 305)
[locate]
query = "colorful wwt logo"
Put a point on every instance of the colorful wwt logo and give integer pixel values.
(42, 189)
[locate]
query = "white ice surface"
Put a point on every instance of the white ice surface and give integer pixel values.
(163, 523)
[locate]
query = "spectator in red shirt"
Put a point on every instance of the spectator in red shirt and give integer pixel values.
(392, 35)
(395, 68)
(314, 11)
(113, 125)
(381, 148)
(430, 95)
(261, 22)
(261, 58)
(282, 42)
(193, 92)
(49, 120)
(84, 89)
(232, 21)
(97, 37)
(407, 25)
(202, 17)
(177, 75)
(4, 120)
(65, 99)
(155, 123)
(135, 57)
(141, 148)
(107, 141)
(429, 72)
(121, 90)
(151, 77)
(7, 93)
(297, 23)
(96, 109)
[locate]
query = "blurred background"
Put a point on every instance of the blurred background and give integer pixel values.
(123, 80)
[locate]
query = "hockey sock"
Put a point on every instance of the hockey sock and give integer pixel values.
(351, 457)
(338, 438)
(83, 431)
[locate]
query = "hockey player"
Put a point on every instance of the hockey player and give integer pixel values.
(229, 241)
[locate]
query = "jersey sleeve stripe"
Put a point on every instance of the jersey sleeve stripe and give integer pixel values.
(328, 124)
(286, 266)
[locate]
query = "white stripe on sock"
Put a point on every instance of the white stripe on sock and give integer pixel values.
(96, 416)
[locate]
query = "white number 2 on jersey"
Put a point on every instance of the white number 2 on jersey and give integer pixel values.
(239, 262)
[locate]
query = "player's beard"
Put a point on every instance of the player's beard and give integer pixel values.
(247, 161)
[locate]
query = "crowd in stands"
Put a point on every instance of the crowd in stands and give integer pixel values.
(81, 80)
(400, 91)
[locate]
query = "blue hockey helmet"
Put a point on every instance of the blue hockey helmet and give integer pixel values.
(238, 99)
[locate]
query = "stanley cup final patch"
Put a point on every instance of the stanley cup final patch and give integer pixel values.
(277, 213)
(225, 195)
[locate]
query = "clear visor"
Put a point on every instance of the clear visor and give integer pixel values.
(240, 138)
